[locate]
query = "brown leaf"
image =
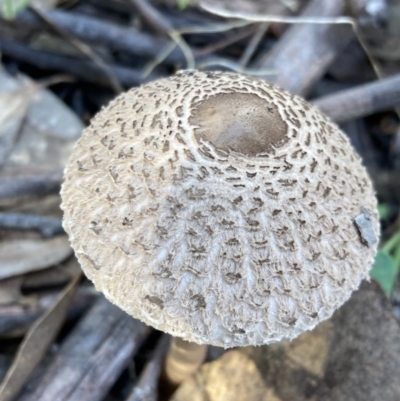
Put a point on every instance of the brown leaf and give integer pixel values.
(37, 342)
(23, 256)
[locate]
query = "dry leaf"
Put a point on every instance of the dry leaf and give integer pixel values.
(13, 107)
(23, 256)
(36, 343)
(39, 128)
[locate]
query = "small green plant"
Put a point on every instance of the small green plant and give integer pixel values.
(182, 4)
(10, 8)
(387, 264)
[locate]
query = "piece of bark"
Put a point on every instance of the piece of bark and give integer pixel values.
(91, 358)
(305, 51)
(362, 100)
(16, 318)
(113, 36)
(83, 69)
(146, 387)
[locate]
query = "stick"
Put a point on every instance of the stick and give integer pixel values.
(253, 43)
(19, 317)
(83, 48)
(47, 226)
(28, 185)
(91, 358)
(111, 35)
(82, 69)
(226, 41)
(146, 387)
(362, 100)
(152, 16)
(305, 51)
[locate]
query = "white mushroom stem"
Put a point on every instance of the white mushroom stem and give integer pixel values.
(183, 359)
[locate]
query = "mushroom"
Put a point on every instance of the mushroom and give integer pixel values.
(220, 209)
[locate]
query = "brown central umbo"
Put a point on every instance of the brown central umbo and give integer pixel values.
(242, 122)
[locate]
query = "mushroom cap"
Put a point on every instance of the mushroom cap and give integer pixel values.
(220, 208)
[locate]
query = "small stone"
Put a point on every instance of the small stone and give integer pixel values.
(364, 224)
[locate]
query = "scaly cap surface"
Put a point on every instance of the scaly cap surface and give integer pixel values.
(220, 208)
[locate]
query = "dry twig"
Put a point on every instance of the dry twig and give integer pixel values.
(111, 35)
(213, 47)
(31, 185)
(298, 65)
(85, 70)
(19, 317)
(82, 47)
(152, 16)
(47, 226)
(361, 100)
(304, 52)
(146, 387)
(91, 358)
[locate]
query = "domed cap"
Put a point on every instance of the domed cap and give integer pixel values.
(220, 209)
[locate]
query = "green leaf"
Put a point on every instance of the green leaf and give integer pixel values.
(384, 271)
(10, 8)
(392, 243)
(182, 4)
(383, 210)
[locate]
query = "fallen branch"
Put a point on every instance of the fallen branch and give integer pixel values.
(31, 185)
(82, 47)
(111, 35)
(91, 358)
(47, 226)
(304, 52)
(83, 69)
(362, 100)
(152, 16)
(19, 317)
